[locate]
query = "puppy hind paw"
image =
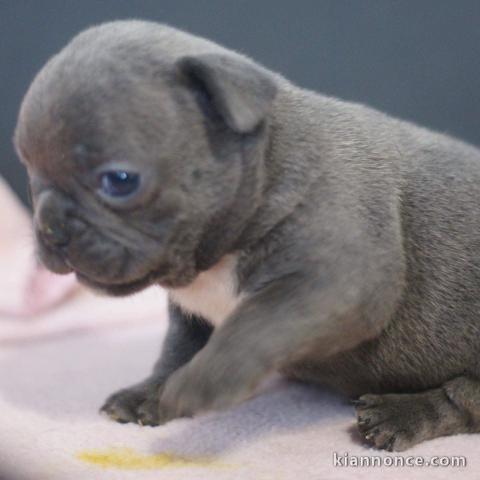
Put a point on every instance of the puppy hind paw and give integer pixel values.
(390, 422)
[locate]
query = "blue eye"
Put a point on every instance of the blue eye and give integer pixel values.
(119, 183)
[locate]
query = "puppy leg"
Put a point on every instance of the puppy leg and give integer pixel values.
(139, 403)
(396, 422)
(288, 318)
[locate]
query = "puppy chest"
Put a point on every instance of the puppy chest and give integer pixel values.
(213, 294)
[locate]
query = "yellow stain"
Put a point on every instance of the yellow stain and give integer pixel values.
(127, 459)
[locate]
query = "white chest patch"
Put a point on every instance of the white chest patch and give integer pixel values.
(213, 294)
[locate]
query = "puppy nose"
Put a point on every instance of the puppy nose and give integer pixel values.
(56, 236)
(50, 219)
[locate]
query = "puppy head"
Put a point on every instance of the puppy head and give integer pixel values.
(142, 143)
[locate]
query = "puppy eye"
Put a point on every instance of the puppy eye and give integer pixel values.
(119, 183)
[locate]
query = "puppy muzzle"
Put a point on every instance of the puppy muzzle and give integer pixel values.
(53, 229)
(50, 220)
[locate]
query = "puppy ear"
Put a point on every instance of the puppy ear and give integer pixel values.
(239, 91)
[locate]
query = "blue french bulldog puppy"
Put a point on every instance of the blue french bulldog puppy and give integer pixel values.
(294, 232)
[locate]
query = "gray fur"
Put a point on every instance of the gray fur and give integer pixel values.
(357, 234)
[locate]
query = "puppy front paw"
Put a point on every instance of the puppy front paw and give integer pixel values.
(137, 404)
(198, 387)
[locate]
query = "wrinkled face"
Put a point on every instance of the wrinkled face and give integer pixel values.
(126, 176)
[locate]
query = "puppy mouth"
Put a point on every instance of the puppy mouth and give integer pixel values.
(53, 261)
(118, 288)
(164, 274)
(58, 261)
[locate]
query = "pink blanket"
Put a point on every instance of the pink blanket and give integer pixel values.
(50, 428)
